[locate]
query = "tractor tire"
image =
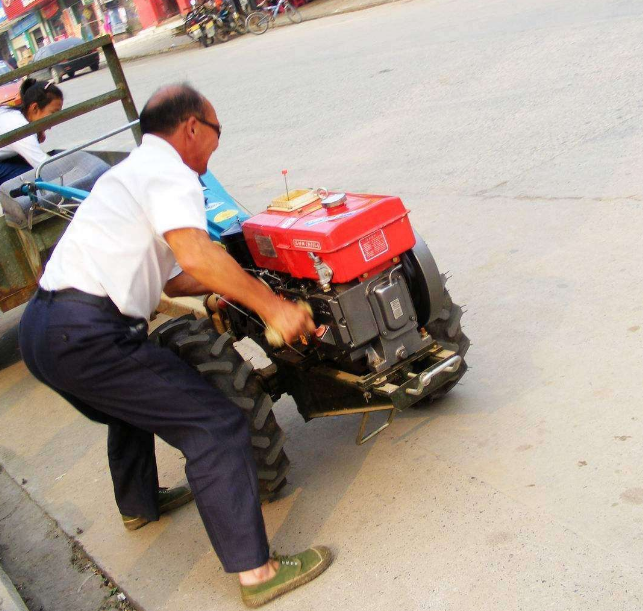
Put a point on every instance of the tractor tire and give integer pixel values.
(447, 329)
(215, 358)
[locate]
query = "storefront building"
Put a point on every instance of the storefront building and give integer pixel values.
(116, 18)
(26, 34)
(5, 51)
(35, 23)
(153, 12)
(31, 24)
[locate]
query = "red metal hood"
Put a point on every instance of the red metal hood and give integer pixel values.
(365, 232)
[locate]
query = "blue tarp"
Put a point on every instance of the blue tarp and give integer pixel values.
(220, 208)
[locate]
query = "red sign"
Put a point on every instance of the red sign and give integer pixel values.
(49, 10)
(16, 8)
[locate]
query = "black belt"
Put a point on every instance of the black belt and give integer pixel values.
(104, 303)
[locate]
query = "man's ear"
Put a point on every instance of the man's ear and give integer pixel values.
(190, 126)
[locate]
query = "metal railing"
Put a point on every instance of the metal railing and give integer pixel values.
(120, 93)
(74, 149)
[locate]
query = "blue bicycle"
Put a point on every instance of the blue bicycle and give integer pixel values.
(258, 22)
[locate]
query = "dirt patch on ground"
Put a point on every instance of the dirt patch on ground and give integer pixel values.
(50, 571)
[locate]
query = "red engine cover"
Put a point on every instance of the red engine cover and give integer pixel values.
(364, 233)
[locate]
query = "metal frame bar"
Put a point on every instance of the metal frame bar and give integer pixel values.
(77, 195)
(80, 147)
(439, 365)
(351, 410)
(450, 365)
(366, 414)
(69, 54)
(120, 93)
(361, 438)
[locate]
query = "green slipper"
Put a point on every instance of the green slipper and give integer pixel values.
(293, 571)
(169, 499)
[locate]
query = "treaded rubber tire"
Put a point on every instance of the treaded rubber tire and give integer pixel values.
(447, 329)
(56, 77)
(215, 358)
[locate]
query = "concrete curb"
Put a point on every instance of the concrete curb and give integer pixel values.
(9, 598)
(348, 9)
(175, 49)
(351, 8)
(282, 21)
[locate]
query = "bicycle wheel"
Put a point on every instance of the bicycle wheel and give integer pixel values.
(257, 22)
(292, 13)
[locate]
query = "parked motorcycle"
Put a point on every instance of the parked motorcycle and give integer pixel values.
(211, 22)
(200, 24)
(228, 20)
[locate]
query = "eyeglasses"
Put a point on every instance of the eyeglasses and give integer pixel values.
(216, 127)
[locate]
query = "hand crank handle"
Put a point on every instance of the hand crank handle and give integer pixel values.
(275, 338)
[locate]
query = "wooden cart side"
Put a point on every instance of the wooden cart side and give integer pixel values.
(17, 280)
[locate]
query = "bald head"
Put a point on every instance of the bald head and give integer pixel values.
(169, 106)
(182, 117)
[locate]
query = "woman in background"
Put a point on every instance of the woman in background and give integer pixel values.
(39, 99)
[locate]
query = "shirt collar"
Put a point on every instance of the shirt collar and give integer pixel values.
(150, 140)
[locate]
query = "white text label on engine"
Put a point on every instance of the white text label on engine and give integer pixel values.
(373, 245)
(307, 244)
(396, 306)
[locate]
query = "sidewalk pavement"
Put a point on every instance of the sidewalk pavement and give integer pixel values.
(9, 598)
(169, 36)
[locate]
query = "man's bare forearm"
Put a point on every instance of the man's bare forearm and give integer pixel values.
(214, 269)
(184, 285)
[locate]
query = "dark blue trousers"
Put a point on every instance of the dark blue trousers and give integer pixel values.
(102, 363)
(12, 167)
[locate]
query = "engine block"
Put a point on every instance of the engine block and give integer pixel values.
(372, 322)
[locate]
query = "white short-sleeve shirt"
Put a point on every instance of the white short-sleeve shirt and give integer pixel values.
(28, 148)
(114, 246)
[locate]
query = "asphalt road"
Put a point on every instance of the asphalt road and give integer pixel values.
(512, 131)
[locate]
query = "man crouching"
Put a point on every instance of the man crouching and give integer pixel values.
(84, 334)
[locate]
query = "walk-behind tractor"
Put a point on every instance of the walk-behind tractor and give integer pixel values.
(388, 334)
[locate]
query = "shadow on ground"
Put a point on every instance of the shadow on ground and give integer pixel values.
(9, 325)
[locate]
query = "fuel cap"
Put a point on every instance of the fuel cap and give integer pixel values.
(332, 201)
